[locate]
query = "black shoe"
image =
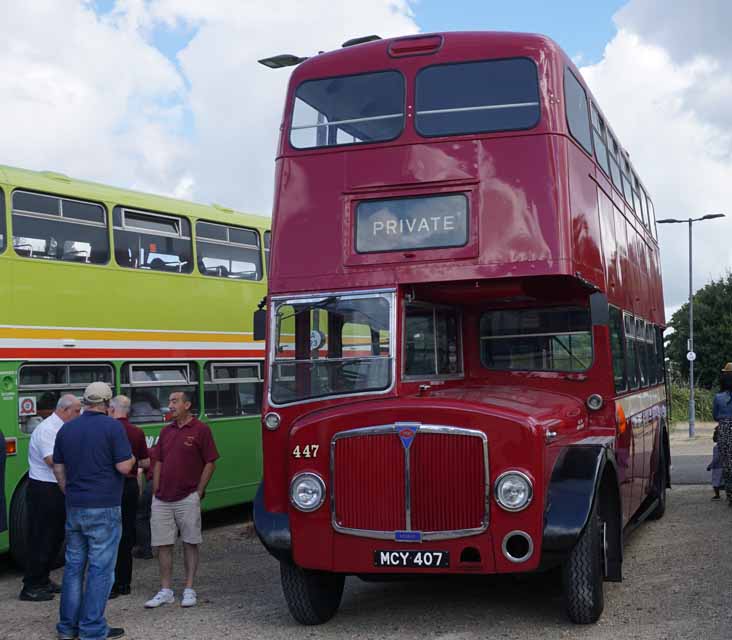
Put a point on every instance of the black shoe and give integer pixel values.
(113, 594)
(53, 587)
(119, 590)
(35, 595)
(115, 632)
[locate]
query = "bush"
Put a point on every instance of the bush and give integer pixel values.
(703, 399)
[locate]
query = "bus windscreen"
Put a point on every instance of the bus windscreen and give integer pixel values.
(477, 97)
(368, 107)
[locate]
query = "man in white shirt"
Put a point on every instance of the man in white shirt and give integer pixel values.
(45, 504)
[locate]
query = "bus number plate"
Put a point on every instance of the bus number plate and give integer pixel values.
(411, 559)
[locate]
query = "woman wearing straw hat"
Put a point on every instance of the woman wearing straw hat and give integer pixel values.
(722, 412)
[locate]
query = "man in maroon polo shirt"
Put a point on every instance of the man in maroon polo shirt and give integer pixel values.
(119, 408)
(184, 466)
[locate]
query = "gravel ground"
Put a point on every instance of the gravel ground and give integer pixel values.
(677, 573)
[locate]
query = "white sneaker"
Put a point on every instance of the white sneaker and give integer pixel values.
(164, 596)
(189, 598)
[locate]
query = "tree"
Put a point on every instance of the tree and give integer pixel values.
(712, 333)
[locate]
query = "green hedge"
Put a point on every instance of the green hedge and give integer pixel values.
(703, 399)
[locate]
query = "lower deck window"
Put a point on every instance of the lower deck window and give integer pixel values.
(44, 383)
(551, 339)
(432, 341)
(149, 386)
(232, 389)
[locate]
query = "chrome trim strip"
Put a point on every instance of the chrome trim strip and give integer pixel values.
(484, 107)
(423, 428)
(349, 121)
(514, 473)
(526, 537)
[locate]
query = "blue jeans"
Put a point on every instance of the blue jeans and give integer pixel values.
(92, 538)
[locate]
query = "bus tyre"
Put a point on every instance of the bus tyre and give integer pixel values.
(661, 482)
(313, 597)
(582, 574)
(18, 529)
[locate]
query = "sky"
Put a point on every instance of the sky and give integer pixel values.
(166, 96)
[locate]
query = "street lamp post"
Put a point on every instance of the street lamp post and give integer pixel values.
(690, 355)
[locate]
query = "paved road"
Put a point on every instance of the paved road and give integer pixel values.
(690, 469)
(675, 571)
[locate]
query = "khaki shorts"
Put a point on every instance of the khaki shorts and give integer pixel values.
(168, 518)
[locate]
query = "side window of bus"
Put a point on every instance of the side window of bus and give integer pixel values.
(617, 346)
(44, 383)
(52, 228)
(660, 361)
(152, 241)
(627, 188)
(232, 389)
(578, 118)
(477, 97)
(432, 341)
(641, 345)
(652, 357)
(228, 252)
(2, 221)
(614, 156)
(148, 385)
(651, 215)
(631, 360)
(267, 240)
(599, 138)
(550, 339)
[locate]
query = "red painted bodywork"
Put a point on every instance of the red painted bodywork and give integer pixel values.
(545, 225)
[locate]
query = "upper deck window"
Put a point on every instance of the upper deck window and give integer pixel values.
(555, 339)
(53, 228)
(578, 117)
(477, 97)
(2, 221)
(368, 107)
(228, 252)
(145, 240)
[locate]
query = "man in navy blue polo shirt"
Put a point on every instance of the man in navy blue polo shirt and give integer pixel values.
(91, 457)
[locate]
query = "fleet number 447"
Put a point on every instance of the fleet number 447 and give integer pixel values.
(307, 451)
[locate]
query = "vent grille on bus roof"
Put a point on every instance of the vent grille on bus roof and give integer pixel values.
(415, 46)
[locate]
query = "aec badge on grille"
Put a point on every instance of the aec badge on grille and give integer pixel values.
(407, 433)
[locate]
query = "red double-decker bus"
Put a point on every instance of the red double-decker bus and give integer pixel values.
(465, 367)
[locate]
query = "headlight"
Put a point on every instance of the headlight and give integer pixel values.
(513, 491)
(307, 491)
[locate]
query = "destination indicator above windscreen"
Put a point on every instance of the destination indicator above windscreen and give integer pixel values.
(407, 224)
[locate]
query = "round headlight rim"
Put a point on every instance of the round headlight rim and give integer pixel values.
(529, 483)
(299, 476)
(274, 415)
(595, 402)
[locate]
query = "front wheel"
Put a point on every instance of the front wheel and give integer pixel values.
(582, 574)
(313, 597)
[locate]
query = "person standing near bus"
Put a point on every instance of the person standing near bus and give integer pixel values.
(722, 412)
(119, 408)
(45, 503)
(91, 457)
(185, 463)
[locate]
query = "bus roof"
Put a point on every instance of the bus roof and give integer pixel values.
(60, 184)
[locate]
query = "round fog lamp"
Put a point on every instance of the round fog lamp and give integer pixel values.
(272, 421)
(513, 491)
(594, 401)
(307, 491)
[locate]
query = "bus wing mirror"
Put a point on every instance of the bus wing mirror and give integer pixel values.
(260, 324)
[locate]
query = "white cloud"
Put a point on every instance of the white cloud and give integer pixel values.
(92, 97)
(661, 105)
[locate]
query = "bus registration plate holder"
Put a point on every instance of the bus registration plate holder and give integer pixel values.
(411, 559)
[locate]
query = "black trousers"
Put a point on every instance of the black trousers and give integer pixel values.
(144, 506)
(123, 570)
(46, 523)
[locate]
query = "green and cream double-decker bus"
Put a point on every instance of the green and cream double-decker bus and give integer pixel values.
(147, 293)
